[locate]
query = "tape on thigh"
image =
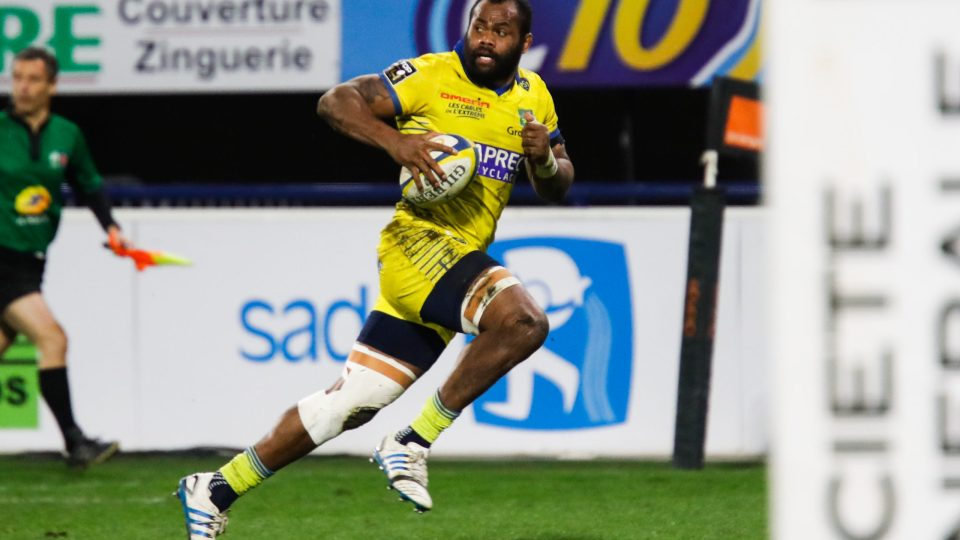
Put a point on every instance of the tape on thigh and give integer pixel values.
(416, 344)
(484, 289)
(370, 381)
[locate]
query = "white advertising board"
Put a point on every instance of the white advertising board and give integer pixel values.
(174, 45)
(862, 172)
(211, 355)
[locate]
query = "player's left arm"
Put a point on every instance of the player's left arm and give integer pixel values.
(548, 166)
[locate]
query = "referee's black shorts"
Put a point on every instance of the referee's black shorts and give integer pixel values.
(20, 274)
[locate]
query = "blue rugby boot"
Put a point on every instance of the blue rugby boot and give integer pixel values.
(203, 518)
(406, 468)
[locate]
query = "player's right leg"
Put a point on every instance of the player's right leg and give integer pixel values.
(378, 370)
(404, 464)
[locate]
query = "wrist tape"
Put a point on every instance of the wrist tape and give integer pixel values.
(549, 169)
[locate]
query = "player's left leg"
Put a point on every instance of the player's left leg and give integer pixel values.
(509, 327)
(31, 316)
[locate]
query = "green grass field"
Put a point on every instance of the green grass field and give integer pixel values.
(345, 497)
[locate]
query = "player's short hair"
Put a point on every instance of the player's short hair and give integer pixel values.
(523, 6)
(39, 53)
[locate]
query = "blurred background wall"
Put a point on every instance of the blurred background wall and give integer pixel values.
(213, 100)
(224, 92)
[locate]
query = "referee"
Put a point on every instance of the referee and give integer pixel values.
(38, 152)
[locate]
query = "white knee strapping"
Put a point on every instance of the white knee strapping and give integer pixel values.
(364, 391)
(471, 311)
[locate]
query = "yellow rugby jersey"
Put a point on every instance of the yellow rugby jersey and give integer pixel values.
(432, 93)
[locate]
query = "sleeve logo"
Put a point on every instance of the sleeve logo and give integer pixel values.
(399, 71)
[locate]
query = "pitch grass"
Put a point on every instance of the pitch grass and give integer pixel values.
(345, 498)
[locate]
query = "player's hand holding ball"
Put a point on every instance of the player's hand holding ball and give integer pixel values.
(457, 168)
(414, 153)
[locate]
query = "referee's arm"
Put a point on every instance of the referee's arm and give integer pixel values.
(87, 184)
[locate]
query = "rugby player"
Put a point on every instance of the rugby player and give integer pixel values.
(435, 277)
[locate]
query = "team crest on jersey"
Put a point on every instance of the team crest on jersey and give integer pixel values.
(524, 83)
(58, 160)
(32, 201)
(399, 71)
(522, 113)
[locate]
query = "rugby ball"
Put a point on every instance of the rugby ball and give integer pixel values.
(460, 166)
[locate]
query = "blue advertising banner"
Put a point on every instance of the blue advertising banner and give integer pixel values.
(577, 43)
(581, 376)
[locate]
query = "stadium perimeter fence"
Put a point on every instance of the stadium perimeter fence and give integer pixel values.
(583, 193)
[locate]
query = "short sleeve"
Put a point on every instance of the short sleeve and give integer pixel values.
(549, 118)
(410, 83)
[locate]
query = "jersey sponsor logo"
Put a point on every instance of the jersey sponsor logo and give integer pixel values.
(465, 100)
(58, 160)
(399, 71)
(32, 201)
(497, 163)
(581, 377)
(465, 107)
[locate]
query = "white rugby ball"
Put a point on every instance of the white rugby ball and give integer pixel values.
(459, 168)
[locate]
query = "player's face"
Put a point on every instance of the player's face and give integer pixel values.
(32, 87)
(494, 44)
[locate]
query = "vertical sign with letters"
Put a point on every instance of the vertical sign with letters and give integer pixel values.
(863, 177)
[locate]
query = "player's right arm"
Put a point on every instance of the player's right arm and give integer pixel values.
(357, 108)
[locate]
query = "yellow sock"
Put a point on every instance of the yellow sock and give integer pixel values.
(433, 419)
(245, 471)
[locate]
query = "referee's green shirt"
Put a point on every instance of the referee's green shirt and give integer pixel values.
(32, 170)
